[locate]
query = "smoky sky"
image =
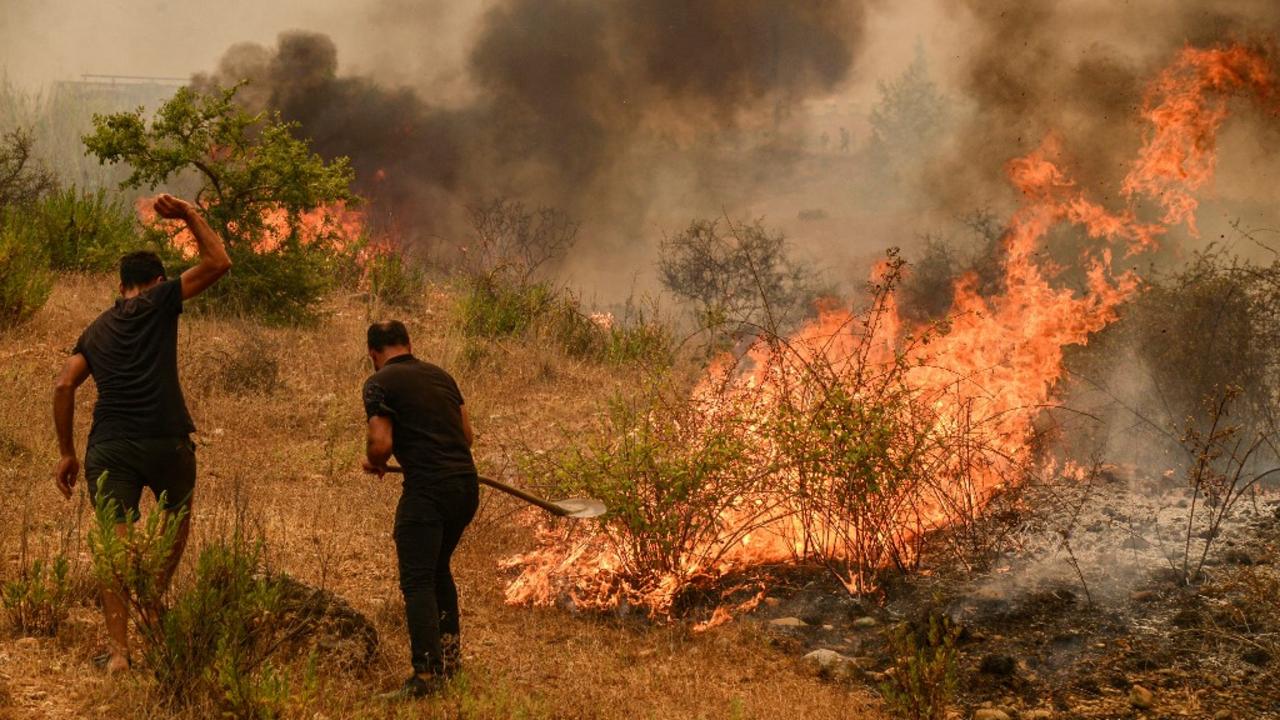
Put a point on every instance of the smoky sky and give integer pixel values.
(564, 91)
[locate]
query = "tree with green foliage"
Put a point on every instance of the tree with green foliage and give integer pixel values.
(251, 169)
(909, 119)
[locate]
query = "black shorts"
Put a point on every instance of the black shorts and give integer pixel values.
(166, 465)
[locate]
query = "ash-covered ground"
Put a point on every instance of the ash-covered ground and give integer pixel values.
(1080, 610)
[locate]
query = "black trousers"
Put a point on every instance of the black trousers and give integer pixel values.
(430, 518)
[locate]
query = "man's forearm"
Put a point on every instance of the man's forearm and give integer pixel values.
(208, 243)
(64, 416)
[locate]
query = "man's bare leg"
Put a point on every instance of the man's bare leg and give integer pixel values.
(117, 620)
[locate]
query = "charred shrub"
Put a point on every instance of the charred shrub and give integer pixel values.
(23, 180)
(1212, 325)
(513, 242)
(929, 287)
(738, 276)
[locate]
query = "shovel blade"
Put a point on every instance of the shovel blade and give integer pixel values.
(581, 508)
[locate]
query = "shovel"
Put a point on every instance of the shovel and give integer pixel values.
(576, 508)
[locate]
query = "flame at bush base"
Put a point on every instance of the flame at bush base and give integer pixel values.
(336, 228)
(955, 404)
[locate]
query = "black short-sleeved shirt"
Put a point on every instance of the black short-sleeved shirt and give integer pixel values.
(425, 408)
(132, 351)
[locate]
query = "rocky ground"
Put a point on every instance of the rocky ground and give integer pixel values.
(1107, 630)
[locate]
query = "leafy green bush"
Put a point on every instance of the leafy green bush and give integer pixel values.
(86, 231)
(491, 308)
(37, 602)
(392, 280)
(282, 286)
(212, 645)
(923, 680)
(25, 279)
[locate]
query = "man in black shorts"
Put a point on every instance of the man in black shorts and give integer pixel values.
(415, 412)
(141, 428)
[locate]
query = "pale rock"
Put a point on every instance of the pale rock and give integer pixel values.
(829, 663)
(1141, 697)
(788, 622)
(865, 622)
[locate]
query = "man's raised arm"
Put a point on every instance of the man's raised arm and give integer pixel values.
(214, 261)
(74, 372)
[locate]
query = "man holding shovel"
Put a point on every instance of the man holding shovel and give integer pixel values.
(141, 428)
(416, 412)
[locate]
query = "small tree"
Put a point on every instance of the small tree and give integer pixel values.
(740, 278)
(23, 181)
(260, 187)
(910, 117)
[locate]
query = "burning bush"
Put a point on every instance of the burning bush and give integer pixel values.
(815, 447)
(860, 434)
(682, 485)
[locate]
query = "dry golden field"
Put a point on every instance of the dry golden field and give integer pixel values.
(281, 449)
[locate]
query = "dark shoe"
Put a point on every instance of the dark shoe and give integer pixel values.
(416, 687)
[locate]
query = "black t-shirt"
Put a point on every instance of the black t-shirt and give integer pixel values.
(132, 351)
(425, 408)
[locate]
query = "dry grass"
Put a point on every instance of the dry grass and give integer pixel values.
(283, 456)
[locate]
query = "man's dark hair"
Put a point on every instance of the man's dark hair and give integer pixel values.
(139, 268)
(387, 333)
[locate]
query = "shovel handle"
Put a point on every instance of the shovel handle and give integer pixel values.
(517, 492)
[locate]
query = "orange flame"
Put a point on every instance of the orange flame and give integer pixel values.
(991, 371)
(337, 225)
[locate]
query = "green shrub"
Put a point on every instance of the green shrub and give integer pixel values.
(212, 645)
(491, 308)
(923, 680)
(86, 231)
(38, 601)
(284, 286)
(392, 280)
(25, 279)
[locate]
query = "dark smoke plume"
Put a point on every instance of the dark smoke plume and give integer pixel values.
(575, 100)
